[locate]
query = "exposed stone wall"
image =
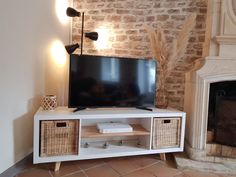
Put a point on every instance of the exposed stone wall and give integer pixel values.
(120, 24)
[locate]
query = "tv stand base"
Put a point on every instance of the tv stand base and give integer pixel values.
(144, 108)
(79, 109)
(88, 142)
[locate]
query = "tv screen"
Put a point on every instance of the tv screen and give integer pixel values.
(98, 81)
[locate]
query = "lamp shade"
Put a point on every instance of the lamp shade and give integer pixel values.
(71, 48)
(72, 12)
(92, 35)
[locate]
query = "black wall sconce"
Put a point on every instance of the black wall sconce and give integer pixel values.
(91, 35)
(71, 48)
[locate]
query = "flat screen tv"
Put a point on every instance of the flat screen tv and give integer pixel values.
(99, 81)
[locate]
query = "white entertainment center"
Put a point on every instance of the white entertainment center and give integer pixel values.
(156, 131)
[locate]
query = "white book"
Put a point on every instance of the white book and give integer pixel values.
(114, 127)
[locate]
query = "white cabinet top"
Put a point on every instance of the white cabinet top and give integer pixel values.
(98, 113)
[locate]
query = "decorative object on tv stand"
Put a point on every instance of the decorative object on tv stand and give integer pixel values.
(168, 55)
(114, 127)
(91, 35)
(49, 102)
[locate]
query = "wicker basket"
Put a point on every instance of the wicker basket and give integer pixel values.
(166, 132)
(59, 138)
(49, 102)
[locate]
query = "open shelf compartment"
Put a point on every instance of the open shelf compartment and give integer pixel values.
(141, 133)
(96, 149)
(92, 132)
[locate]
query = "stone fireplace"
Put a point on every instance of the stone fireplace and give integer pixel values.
(211, 115)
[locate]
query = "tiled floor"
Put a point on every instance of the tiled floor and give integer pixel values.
(136, 166)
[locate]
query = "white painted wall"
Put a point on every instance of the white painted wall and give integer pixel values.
(27, 29)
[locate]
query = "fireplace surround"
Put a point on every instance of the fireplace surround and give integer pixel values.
(198, 83)
(218, 66)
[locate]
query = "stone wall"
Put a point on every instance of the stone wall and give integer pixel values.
(120, 24)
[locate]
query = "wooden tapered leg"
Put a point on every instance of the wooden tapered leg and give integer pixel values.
(57, 166)
(163, 156)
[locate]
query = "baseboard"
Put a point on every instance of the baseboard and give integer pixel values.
(18, 167)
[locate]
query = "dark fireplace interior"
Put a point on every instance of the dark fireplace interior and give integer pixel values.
(222, 112)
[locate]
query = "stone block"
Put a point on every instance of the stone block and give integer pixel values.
(178, 17)
(136, 38)
(108, 11)
(114, 18)
(118, 5)
(226, 151)
(98, 18)
(190, 9)
(129, 4)
(121, 38)
(218, 149)
(150, 19)
(201, 3)
(136, 53)
(173, 11)
(169, 4)
(200, 18)
(92, 12)
(203, 10)
(234, 152)
(120, 51)
(162, 17)
(122, 11)
(133, 32)
(129, 18)
(143, 6)
(137, 12)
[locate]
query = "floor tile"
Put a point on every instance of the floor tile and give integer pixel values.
(101, 171)
(193, 173)
(181, 175)
(65, 169)
(79, 174)
(86, 164)
(34, 173)
(133, 166)
(140, 173)
(126, 165)
(160, 170)
(170, 161)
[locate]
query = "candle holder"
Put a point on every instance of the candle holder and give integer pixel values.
(49, 102)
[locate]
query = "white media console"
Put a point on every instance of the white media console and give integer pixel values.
(157, 131)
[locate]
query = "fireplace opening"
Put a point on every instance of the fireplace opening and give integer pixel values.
(222, 113)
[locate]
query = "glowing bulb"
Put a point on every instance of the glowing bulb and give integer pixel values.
(61, 6)
(58, 53)
(103, 39)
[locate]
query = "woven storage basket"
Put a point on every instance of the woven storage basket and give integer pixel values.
(166, 132)
(49, 102)
(59, 138)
